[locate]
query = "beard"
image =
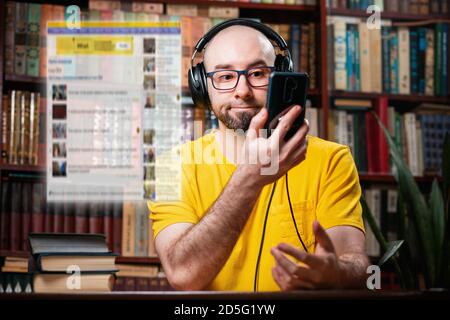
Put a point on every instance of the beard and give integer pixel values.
(238, 120)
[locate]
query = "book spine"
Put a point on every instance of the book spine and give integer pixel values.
(444, 81)
(404, 61)
(108, 224)
(429, 63)
(364, 53)
(26, 214)
(422, 47)
(117, 227)
(20, 48)
(128, 229)
(386, 60)
(5, 215)
(5, 129)
(438, 59)
(340, 58)
(393, 58)
(32, 39)
(16, 217)
(81, 218)
(414, 60)
(38, 207)
(381, 108)
(9, 37)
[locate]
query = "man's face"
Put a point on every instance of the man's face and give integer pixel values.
(238, 48)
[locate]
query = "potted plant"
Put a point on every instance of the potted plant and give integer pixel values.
(424, 224)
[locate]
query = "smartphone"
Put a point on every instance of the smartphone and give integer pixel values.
(285, 90)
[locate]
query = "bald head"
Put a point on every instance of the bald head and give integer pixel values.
(238, 47)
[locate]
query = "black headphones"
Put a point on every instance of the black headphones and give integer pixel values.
(197, 74)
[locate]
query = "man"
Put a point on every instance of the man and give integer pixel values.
(211, 238)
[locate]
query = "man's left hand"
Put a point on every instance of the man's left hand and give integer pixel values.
(310, 271)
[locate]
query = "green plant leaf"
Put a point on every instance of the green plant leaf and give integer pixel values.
(367, 215)
(446, 171)
(416, 203)
(438, 221)
(392, 249)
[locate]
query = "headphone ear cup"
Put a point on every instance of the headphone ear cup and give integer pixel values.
(198, 86)
(283, 63)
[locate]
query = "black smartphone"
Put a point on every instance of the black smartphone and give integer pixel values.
(285, 90)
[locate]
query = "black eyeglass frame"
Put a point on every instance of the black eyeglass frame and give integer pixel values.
(239, 72)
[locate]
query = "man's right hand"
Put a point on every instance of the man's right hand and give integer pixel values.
(267, 159)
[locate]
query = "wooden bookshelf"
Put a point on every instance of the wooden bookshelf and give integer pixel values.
(22, 168)
(388, 178)
(414, 98)
(398, 16)
(243, 5)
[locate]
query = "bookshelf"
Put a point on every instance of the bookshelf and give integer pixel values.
(270, 13)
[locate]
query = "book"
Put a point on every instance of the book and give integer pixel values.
(58, 283)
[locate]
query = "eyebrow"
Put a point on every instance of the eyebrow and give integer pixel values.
(253, 64)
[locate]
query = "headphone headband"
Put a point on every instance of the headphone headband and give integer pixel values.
(197, 75)
(267, 31)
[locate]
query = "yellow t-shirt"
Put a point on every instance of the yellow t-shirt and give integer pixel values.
(325, 186)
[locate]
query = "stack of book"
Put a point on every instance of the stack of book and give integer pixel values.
(72, 263)
(14, 275)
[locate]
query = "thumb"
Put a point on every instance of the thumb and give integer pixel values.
(257, 123)
(322, 237)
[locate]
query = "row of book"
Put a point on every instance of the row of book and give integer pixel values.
(24, 210)
(25, 35)
(396, 60)
(383, 204)
(419, 135)
(197, 121)
(23, 128)
(422, 7)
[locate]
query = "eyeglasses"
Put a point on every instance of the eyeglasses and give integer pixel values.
(229, 79)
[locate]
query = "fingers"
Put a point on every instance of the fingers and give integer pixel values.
(313, 261)
(322, 237)
(299, 137)
(285, 124)
(294, 269)
(257, 123)
(286, 282)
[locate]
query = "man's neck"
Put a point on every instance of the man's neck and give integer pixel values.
(230, 142)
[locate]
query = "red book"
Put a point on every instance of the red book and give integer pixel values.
(16, 213)
(81, 218)
(58, 217)
(377, 147)
(108, 224)
(38, 208)
(26, 214)
(117, 227)
(69, 217)
(48, 217)
(371, 145)
(381, 109)
(5, 215)
(95, 217)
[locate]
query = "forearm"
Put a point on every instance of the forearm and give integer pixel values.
(353, 270)
(201, 252)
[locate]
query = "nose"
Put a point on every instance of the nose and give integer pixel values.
(243, 89)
